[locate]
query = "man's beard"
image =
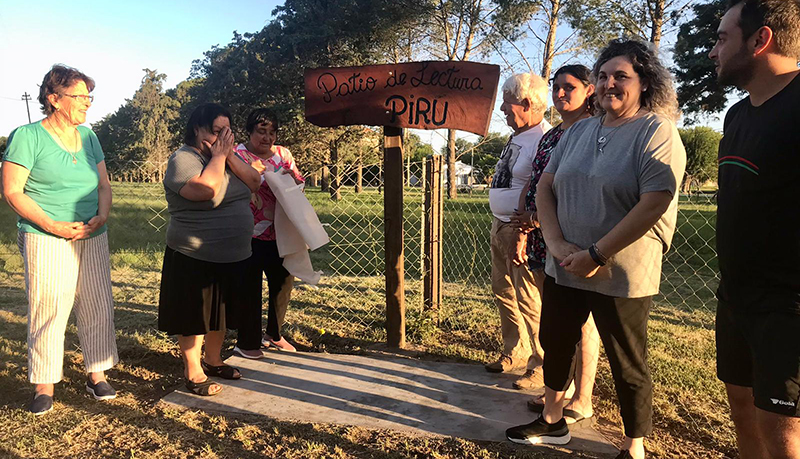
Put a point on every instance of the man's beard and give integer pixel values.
(739, 71)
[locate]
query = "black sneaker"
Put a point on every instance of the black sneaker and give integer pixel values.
(540, 432)
(101, 390)
(624, 454)
(41, 404)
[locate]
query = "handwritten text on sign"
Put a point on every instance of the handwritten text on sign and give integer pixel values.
(422, 95)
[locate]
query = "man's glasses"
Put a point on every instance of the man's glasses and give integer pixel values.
(81, 97)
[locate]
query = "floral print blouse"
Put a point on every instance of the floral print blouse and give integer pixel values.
(537, 251)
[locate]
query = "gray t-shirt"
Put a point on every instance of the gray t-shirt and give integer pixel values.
(218, 230)
(596, 191)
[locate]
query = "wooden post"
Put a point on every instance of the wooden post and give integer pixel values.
(393, 236)
(432, 234)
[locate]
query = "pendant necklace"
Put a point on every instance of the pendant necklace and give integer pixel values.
(602, 140)
(61, 144)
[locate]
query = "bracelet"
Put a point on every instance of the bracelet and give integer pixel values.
(599, 253)
(595, 256)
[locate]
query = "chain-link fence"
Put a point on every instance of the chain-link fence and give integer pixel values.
(349, 201)
(347, 309)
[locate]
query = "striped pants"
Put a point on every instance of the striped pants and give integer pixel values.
(60, 274)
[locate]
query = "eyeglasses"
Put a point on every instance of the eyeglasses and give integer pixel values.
(81, 97)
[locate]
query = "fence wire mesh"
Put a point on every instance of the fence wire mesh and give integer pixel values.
(348, 307)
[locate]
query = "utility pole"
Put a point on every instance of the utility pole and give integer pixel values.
(26, 97)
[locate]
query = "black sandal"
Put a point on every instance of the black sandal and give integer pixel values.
(202, 388)
(221, 371)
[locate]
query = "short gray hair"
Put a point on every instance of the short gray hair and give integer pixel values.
(528, 86)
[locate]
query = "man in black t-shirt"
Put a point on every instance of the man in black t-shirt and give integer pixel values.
(758, 226)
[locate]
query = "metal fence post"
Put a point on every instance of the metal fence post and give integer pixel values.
(432, 234)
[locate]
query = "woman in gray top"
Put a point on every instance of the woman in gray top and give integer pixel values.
(208, 191)
(607, 204)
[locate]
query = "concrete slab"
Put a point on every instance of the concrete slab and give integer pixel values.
(422, 397)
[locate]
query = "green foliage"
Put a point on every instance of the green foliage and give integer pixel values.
(702, 148)
(416, 149)
(139, 137)
(698, 89)
(3, 144)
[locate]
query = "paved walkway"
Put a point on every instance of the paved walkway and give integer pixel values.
(416, 396)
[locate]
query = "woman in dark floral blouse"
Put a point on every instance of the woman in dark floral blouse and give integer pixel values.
(573, 97)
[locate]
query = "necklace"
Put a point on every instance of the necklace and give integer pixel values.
(602, 140)
(61, 144)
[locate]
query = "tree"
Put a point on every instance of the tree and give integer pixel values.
(461, 29)
(3, 144)
(586, 35)
(139, 136)
(702, 148)
(642, 19)
(266, 68)
(699, 91)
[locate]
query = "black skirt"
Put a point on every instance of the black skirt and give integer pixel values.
(198, 296)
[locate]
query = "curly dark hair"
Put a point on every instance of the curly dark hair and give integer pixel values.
(582, 74)
(660, 96)
(59, 78)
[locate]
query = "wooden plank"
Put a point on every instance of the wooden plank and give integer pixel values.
(421, 95)
(393, 237)
(432, 234)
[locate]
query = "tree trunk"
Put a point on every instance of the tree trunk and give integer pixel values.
(324, 186)
(658, 22)
(451, 163)
(550, 43)
(359, 176)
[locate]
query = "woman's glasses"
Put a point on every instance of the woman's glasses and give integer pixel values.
(81, 97)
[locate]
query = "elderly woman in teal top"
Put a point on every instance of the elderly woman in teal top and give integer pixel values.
(54, 177)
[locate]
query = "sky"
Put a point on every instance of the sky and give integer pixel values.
(113, 41)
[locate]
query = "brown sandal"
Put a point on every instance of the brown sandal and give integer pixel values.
(221, 371)
(202, 388)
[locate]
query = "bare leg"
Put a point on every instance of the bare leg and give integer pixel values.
(46, 389)
(214, 341)
(191, 351)
(780, 434)
(97, 376)
(635, 447)
(743, 413)
(553, 405)
(587, 357)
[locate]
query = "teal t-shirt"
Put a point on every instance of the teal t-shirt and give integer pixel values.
(65, 191)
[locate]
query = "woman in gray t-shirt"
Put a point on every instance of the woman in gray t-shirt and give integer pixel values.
(607, 204)
(208, 240)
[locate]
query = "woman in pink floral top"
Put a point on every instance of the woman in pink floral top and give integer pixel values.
(573, 97)
(262, 153)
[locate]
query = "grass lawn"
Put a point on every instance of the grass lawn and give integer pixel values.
(344, 315)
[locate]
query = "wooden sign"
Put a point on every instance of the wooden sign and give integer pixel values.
(420, 95)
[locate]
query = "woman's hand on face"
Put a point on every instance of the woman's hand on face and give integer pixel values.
(223, 146)
(562, 249)
(580, 264)
(524, 221)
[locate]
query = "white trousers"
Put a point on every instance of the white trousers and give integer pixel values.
(60, 276)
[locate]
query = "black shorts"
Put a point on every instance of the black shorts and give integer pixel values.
(762, 351)
(199, 296)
